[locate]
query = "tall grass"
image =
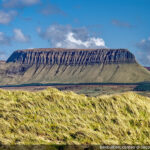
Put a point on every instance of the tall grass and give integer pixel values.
(54, 117)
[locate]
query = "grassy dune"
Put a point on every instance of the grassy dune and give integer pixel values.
(54, 117)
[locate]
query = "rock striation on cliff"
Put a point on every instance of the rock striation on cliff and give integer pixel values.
(59, 65)
(59, 56)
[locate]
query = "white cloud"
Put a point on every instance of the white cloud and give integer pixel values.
(90, 42)
(68, 37)
(19, 3)
(6, 17)
(20, 37)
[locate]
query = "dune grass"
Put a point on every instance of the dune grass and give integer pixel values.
(54, 117)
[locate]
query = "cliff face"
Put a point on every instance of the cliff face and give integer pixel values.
(53, 65)
(72, 57)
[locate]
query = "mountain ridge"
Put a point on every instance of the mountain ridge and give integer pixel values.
(56, 65)
(71, 56)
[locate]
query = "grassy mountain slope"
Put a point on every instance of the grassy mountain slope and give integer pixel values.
(124, 73)
(54, 117)
(114, 73)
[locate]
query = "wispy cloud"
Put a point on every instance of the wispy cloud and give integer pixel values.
(7, 17)
(9, 9)
(68, 37)
(51, 9)
(144, 44)
(144, 51)
(4, 39)
(19, 3)
(121, 24)
(20, 36)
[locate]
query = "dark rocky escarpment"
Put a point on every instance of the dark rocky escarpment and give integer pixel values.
(58, 65)
(58, 56)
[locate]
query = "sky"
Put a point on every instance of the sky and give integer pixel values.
(26, 24)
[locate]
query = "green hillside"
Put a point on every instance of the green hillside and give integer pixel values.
(110, 73)
(54, 117)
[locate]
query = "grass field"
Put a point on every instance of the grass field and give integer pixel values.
(54, 117)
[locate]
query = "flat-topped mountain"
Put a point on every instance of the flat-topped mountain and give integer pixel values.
(59, 65)
(52, 56)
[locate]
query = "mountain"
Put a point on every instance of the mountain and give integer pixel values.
(148, 68)
(58, 65)
(54, 117)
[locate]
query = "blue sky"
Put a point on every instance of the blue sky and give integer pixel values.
(76, 24)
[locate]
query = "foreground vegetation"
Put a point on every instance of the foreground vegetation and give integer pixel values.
(54, 117)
